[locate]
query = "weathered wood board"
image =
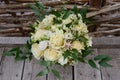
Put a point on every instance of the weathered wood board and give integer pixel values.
(31, 69)
(9, 69)
(85, 72)
(112, 73)
(25, 70)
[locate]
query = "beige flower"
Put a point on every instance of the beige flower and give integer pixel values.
(51, 54)
(57, 40)
(77, 45)
(48, 20)
(81, 27)
(36, 51)
(41, 33)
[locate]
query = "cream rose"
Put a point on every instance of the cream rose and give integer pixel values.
(51, 54)
(57, 40)
(81, 27)
(41, 33)
(77, 45)
(36, 51)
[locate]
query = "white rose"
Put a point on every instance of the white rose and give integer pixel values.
(51, 55)
(43, 45)
(36, 51)
(62, 61)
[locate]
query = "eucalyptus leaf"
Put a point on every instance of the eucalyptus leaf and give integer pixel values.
(45, 63)
(66, 14)
(104, 64)
(39, 5)
(102, 57)
(75, 9)
(92, 63)
(85, 53)
(81, 60)
(8, 54)
(66, 54)
(43, 72)
(56, 73)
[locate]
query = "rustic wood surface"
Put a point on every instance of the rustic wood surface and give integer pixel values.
(25, 70)
(16, 17)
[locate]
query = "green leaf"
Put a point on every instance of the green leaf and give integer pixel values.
(69, 24)
(8, 54)
(56, 73)
(57, 21)
(85, 53)
(43, 72)
(81, 60)
(75, 51)
(66, 54)
(75, 57)
(75, 9)
(45, 63)
(83, 12)
(56, 13)
(66, 14)
(104, 64)
(103, 57)
(92, 63)
(39, 5)
(14, 49)
(36, 11)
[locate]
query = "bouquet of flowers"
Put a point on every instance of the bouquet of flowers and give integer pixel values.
(59, 38)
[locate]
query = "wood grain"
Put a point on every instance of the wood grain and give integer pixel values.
(85, 72)
(66, 73)
(112, 73)
(31, 69)
(10, 70)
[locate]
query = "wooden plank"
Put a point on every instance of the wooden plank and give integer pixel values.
(66, 73)
(101, 42)
(85, 72)
(1, 51)
(112, 73)
(13, 40)
(104, 42)
(10, 70)
(31, 69)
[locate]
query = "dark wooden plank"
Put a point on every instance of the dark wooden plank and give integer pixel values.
(9, 69)
(66, 73)
(31, 69)
(112, 73)
(85, 72)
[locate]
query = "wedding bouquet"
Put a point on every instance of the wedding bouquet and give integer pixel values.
(61, 38)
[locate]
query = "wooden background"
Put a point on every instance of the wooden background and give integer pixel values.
(25, 70)
(16, 17)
